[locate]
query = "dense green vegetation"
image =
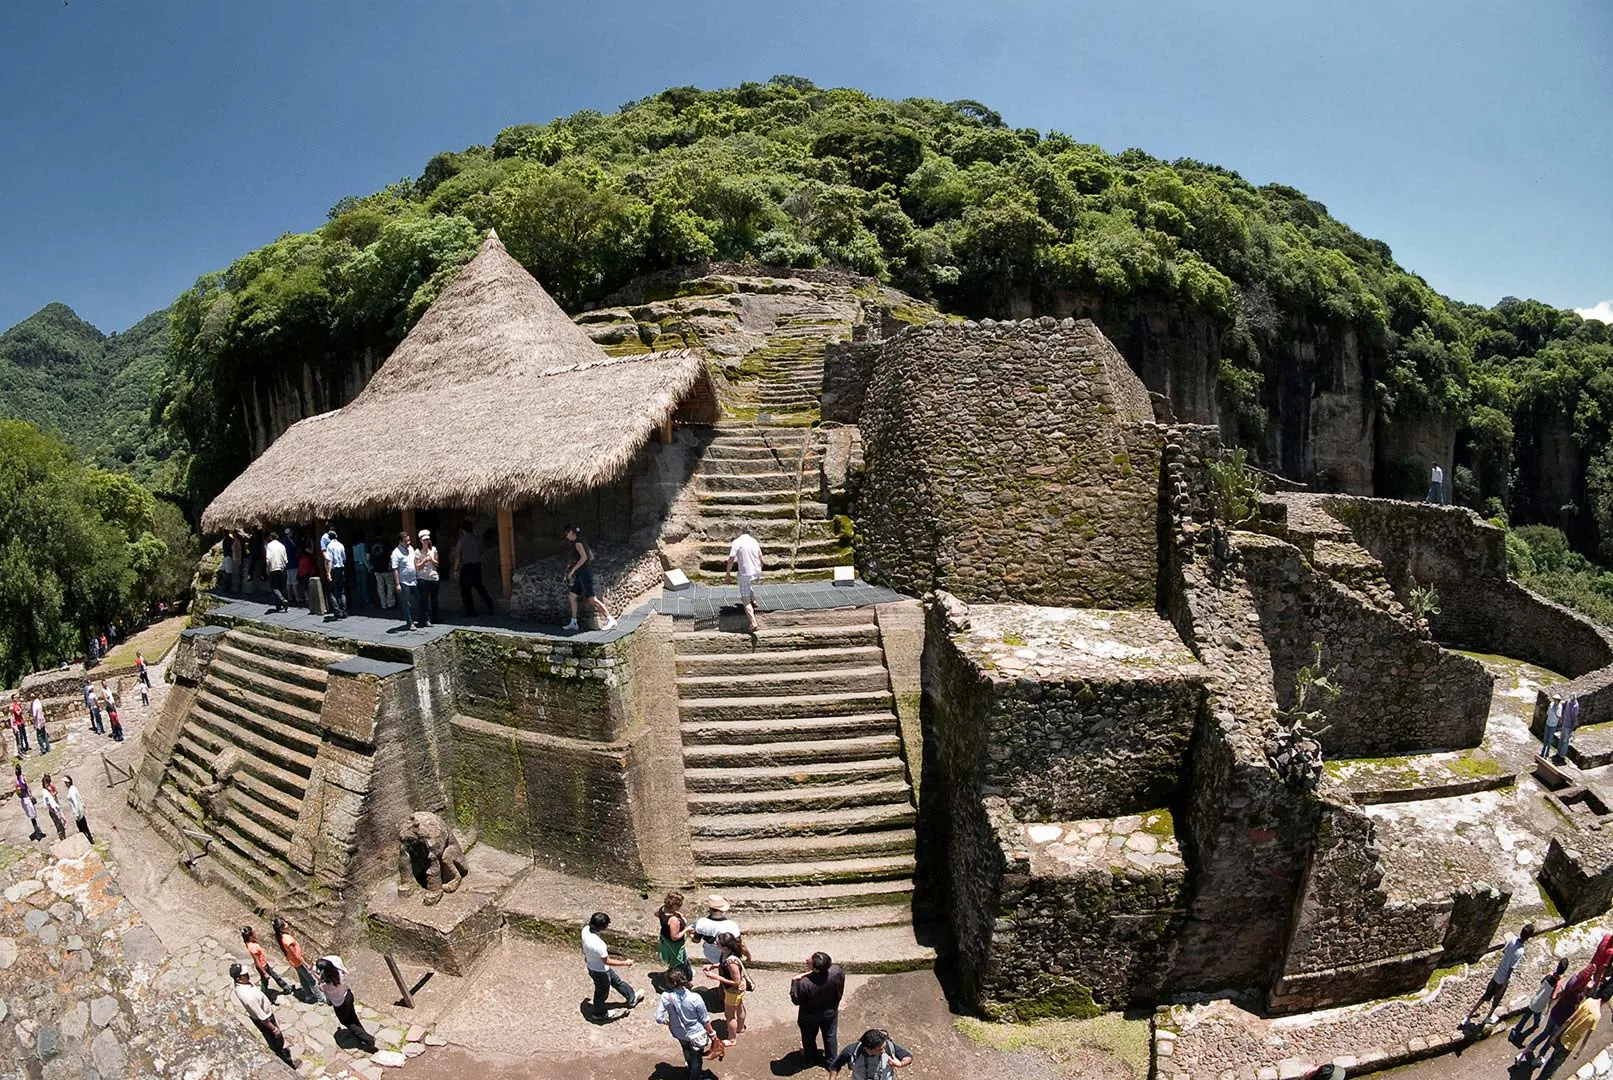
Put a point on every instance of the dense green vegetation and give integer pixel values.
(80, 548)
(91, 389)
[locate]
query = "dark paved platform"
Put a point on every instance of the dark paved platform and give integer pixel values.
(697, 602)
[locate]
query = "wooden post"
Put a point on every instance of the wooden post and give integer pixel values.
(666, 431)
(506, 549)
(408, 521)
(407, 1001)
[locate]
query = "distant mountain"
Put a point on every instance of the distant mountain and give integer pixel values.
(92, 389)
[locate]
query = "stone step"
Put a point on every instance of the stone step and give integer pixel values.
(288, 652)
(267, 667)
(296, 726)
(279, 809)
(731, 851)
(717, 756)
(780, 638)
(204, 744)
(823, 680)
(718, 778)
(741, 501)
(1590, 747)
(741, 663)
(227, 669)
(759, 903)
(760, 481)
(882, 949)
(230, 730)
(250, 870)
(830, 917)
(815, 872)
(802, 559)
(798, 707)
(814, 538)
(795, 800)
(719, 521)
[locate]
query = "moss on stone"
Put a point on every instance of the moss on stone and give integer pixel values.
(1063, 1040)
(1050, 997)
(1159, 823)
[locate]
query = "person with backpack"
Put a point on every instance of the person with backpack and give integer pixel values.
(816, 993)
(684, 1013)
(673, 942)
(875, 1056)
(730, 974)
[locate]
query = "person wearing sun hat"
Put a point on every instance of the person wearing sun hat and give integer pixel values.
(257, 1006)
(714, 922)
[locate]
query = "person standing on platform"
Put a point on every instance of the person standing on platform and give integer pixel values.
(276, 558)
(336, 563)
(47, 795)
(580, 579)
(256, 1004)
(358, 575)
(19, 725)
(37, 710)
(1436, 485)
(816, 993)
(260, 960)
(468, 565)
(428, 578)
(403, 578)
(293, 565)
(29, 811)
(292, 951)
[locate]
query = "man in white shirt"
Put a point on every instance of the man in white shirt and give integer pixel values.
(713, 923)
(746, 554)
(404, 578)
(274, 557)
(75, 803)
(602, 966)
(1436, 485)
(258, 1009)
(336, 562)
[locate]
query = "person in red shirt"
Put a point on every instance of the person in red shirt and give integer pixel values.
(294, 957)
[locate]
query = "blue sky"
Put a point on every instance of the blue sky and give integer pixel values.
(148, 141)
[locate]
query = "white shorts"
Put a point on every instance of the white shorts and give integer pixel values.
(747, 582)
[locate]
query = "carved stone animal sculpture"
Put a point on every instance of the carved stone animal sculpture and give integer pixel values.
(429, 855)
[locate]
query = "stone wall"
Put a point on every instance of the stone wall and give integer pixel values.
(1400, 692)
(1009, 462)
(847, 367)
(541, 591)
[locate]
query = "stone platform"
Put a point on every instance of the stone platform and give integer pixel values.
(452, 933)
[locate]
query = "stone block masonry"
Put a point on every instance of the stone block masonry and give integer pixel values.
(1009, 462)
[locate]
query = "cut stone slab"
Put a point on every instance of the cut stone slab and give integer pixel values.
(415, 1033)
(390, 1059)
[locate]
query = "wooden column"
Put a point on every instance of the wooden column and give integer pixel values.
(666, 431)
(408, 521)
(506, 549)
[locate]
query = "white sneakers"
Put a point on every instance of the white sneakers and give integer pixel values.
(610, 622)
(572, 625)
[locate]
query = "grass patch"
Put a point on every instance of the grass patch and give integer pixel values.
(1015, 640)
(154, 641)
(1064, 1041)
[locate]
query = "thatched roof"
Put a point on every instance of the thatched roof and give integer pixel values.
(495, 398)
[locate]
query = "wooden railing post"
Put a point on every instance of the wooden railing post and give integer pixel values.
(506, 550)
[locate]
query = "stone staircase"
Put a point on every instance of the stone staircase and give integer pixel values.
(800, 809)
(261, 696)
(791, 375)
(766, 478)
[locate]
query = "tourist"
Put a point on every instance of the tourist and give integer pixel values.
(144, 672)
(47, 795)
(29, 811)
(92, 698)
(75, 803)
(145, 695)
(103, 644)
(19, 726)
(257, 1006)
(260, 960)
(41, 736)
(602, 966)
(1569, 996)
(239, 547)
(336, 562)
(816, 993)
(358, 575)
(730, 974)
(333, 981)
(872, 1057)
(1535, 1013)
(36, 709)
(580, 579)
(1565, 731)
(385, 592)
(1576, 1031)
(95, 651)
(1436, 485)
(428, 578)
(112, 717)
(672, 944)
(307, 570)
(714, 923)
(293, 565)
(276, 558)
(468, 565)
(292, 951)
(746, 554)
(403, 577)
(684, 1013)
(1495, 992)
(226, 570)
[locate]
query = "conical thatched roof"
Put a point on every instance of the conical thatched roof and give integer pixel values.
(495, 398)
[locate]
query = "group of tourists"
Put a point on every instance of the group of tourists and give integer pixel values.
(326, 982)
(102, 703)
(52, 799)
(1562, 717)
(816, 993)
(20, 722)
(1562, 1013)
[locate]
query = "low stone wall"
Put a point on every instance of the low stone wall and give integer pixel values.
(540, 591)
(1009, 462)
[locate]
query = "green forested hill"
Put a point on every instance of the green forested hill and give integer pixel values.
(92, 390)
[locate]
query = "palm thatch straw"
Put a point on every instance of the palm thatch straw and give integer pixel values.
(495, 398)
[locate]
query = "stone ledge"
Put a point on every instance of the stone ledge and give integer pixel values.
(363, 665)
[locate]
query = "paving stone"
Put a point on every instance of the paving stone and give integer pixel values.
(389, 1035)
(413, 1049)
(35, 920)
(48, 936)
(76, 1021)
(107, 1052)
(74, 943)
(8, 952)
(102, 1010)
(48, 1042)
(390, 1059)
(435, 1040)
(415, 1033)
(24, 889)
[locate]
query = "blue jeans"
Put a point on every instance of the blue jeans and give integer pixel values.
(1436, 493)
(43, 737)
(606, 981)
(695, 1058)
(406, 602)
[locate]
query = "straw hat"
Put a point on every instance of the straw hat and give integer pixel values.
(717, 903)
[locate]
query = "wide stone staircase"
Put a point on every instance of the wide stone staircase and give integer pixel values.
(767, 479)
(800, 811)
(791, 363)
(262, 696)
